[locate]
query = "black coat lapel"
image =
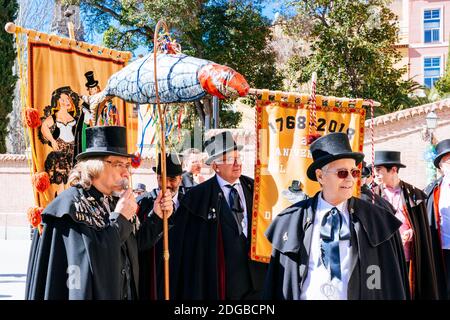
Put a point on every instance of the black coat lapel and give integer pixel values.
(308, 222)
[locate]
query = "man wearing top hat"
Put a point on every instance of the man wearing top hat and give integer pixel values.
(438, 207)
(333, 245)
(214, 219)
(410, 208)
(366, 190)
(88, 248)
(151, 263)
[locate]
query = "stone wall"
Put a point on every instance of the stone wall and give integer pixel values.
(402, 131)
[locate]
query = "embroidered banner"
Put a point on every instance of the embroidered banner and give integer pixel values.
(61, 77)
(283, 157)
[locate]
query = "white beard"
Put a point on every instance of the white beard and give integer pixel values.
(124, 185)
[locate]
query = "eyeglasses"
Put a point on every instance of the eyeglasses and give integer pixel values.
(229, 160)
(120, 165)
(343, 173)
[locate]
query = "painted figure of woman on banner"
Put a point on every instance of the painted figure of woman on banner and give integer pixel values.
(58, 130)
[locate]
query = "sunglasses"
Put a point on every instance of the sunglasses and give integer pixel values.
(343, 173)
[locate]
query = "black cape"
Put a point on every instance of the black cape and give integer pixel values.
(151, 262)
(368, 195)
(422, 269)
(436, 239)
(374, 239)
(196, 267)
(84, 252)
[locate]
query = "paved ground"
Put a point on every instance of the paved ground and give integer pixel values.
(13, 268)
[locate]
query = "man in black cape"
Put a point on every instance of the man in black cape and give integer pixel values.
(438, 207)
(214, 225)
(151, 262)
(410, 208)
(333, 245)
(88, 248)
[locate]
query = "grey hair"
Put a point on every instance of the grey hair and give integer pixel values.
(86, 170)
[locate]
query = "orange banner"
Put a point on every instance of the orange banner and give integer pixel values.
(60, 78)
(283, 157)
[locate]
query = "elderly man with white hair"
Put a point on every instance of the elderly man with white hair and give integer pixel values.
(335, 246)
(88, 248)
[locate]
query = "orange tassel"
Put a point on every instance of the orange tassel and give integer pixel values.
(41, 181)
(32, 118)
(35, 216)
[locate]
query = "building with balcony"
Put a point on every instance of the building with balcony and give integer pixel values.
(424, 27)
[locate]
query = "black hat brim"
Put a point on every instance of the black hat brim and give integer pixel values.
(215, 156)
(91, 154)
(365, 172)
(311, 172)
(91, 84)
(169, 174)
(389, 163)
(439, 157)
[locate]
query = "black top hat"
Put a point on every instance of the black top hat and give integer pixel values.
(173, 165)
(442, 148)
(366, 170)
(219, 145)
(295, 186)
(331, 147)
(56, 94)
(105, 141)
(388, 158)
(91, 83)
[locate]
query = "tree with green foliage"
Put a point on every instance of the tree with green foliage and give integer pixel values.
(7, 79)
(443, 84)
(352, 49)
(233, 33)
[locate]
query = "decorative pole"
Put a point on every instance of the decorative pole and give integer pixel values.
(372, 132)
(162, 120)
(312, 121)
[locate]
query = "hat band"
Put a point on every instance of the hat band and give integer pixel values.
(107, 149)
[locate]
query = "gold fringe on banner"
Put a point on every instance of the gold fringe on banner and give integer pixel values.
(304, 98)
(79, 46)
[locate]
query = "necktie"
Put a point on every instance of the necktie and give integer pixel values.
(332, 230)
(106, 203)
(235, 204)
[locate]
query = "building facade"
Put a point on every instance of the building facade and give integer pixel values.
(424, 27)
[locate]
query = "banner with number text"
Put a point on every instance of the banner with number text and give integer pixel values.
(283, 157)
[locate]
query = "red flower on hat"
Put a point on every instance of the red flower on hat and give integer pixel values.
(310, 138)
(41, 181)
(35, 216)
(136, 160)
(32, 118)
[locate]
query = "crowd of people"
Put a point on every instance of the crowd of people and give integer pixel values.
(103, 240)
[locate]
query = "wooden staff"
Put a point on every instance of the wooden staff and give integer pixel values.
(162, 118)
